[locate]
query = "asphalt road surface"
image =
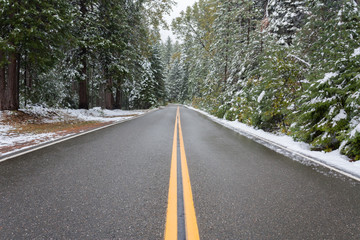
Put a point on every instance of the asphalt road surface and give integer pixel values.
(114, 184)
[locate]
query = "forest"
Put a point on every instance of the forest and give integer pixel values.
(285, 66)
(290, 67)
(81, 53)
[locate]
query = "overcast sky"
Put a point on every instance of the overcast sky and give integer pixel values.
(181, 6)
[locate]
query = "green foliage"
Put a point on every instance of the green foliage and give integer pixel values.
(328, 103)
(352, 147)
(278, 88)
(290, 67)
(108, 45)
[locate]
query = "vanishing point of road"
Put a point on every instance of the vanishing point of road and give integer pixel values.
(171, 174)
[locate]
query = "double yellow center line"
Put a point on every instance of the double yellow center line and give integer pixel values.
(191, 227)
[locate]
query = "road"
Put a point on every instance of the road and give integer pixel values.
(114, 184)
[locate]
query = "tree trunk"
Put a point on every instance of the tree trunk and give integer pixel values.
(12, 89)
(83, 93)
(2, 81)
(118, 98)
(83, 100)
(18, 79)
(101, 99)
(109, 98)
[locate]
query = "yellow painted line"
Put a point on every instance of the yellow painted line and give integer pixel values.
(191, 227)
(171, 228)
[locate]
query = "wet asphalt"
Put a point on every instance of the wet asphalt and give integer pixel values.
(113, 184)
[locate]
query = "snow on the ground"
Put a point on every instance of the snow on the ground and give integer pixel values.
(8, 139)
(333, 159)
(50, 115)
(94, 114)
(13, 139)
(101, 115)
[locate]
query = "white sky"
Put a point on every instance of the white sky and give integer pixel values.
(181, 6)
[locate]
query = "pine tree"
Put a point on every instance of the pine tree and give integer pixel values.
(286, 18)
(174, 80)
(327, 103)
(167, 53)
(30, 32)
(158, 72)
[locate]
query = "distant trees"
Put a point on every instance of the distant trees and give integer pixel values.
(83, 51)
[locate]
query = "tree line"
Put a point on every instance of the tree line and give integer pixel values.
(282, 66)
(81, 53)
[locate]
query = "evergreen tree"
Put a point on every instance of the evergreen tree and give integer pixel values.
(286, 18)
(174, 80)
(327, 110)
(167, 53)
(31, 32)
(158, 71)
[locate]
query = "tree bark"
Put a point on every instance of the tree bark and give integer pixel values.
(109, 98)
(18, 57)
(2, 80)
(101, 99)
(12, 88)
(118, 98)
(83, 93)
(83, 100)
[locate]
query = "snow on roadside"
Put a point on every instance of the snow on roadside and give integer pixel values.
(8, 139)
(333, 159)
(52, 115)
(11, 140)
(101, 115)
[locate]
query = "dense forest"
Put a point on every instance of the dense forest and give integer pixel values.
(81, 53)
(290, 66)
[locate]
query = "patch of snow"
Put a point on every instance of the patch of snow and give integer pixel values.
(322, 100)
(101, 115)
(7, 140)
(291, 107)
(52, 115)
(301, 60)
(332, 109)
(327, 77)
(355, 130)
(333, 159)
(5, 128)
(341, 115)
(356, 52)
(261, 96)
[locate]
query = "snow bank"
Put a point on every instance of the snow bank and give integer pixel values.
(94, 114)
(101, 115)
(332, 159)
(9, 139)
